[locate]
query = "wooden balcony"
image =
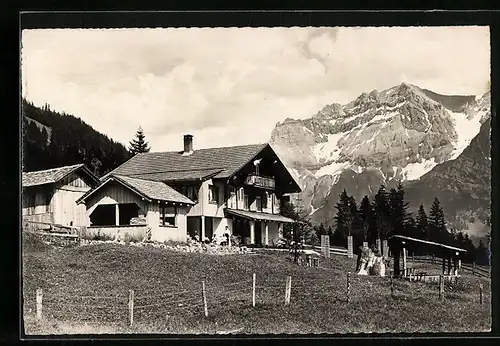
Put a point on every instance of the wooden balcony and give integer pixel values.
(260, 181)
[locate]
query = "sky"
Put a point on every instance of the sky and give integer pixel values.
(230, 86)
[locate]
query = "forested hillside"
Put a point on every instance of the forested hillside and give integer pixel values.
(71, 141)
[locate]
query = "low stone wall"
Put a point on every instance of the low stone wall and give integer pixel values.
(135, 232)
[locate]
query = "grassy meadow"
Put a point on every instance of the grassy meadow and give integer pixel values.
(86, 290)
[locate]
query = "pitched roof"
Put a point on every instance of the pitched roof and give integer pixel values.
(148, 189)
(227, 160)
(402, 237)
(50, 176)
(255, 215)
(179, 175)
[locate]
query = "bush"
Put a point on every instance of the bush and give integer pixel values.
(175, 243)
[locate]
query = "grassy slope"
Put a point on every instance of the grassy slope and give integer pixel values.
(317, 303)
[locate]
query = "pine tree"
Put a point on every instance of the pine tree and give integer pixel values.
(398, 212)
(381, 214)
(422, 223)
(343, 219)
(366, 217)
(437, 223)
(139, 144)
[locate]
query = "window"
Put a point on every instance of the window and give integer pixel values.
(258, 203)
(240, 193)
(213, 194)
(167, 215)
(232, 198)
(190, 192)
(264, 200)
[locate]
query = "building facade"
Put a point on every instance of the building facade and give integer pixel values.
(206, 192)
(50, 196)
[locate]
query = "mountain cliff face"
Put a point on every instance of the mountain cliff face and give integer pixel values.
(403, 134)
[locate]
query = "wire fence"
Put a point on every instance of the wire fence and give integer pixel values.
(212, 298)
(472, 268)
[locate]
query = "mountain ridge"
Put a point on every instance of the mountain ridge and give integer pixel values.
(396, 135)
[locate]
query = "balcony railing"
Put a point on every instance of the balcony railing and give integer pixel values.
(260, 181)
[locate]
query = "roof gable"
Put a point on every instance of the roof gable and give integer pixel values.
(148, 189)
(54, 175)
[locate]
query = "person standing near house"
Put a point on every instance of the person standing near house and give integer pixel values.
(226, 235)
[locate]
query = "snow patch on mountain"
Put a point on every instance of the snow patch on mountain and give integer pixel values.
(328, 150)
(333, 169)
(466, 130)
(413, 171)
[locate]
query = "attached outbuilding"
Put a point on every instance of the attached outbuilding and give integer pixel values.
(138, 207)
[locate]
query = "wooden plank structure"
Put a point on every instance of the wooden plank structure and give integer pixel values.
(399, 244)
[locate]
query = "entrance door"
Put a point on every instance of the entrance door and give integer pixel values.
(258, 233)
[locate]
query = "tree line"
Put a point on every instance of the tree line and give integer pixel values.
(71, 141)
(386, 214)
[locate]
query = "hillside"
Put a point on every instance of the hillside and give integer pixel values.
(382, 137)
(51, 139)
(85, 290)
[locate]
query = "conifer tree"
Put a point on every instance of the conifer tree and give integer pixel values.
(139, 144)
(398, 212)
(380, 208)
(422, 223)
(437, 223)
(343, 219)
(366, 217)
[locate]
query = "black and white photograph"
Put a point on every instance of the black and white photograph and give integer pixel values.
(234, 181)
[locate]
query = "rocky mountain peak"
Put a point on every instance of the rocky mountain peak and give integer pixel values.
(398, 134)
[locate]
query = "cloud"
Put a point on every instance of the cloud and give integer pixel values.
(232, 85)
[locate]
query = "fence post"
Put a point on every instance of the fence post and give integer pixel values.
(288, 289)
(131, 306)
(39, 298)
(473, 268)
(392, 284)
(253, 291)
(412, 258)
(441, 287)
(481, 293)
(348, 287)
(204, 298)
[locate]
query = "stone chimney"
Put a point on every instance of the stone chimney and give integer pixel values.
(188, 145)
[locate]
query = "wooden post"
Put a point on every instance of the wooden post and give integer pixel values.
(253, 291)
(39, 299)
(379, 245)
(288, 289)
(441, 287)
(131, 306)
(481, 293)
(473, 268)
(204, 298)
(444, 265)
(432, 258)
(202, 235)
(350, 250)
(252, 232)
(412, 259)
(392, 284)
(449, 265)
(404, 262)
(117, 214)
(385, 248)
(349, 286)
